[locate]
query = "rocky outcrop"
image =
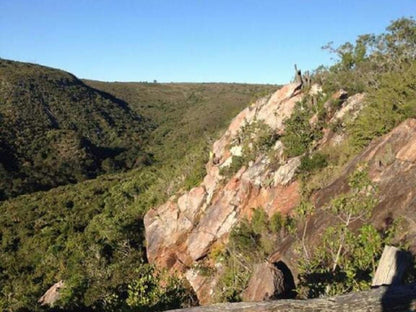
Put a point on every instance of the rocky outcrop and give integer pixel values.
(340, 110)
(272, 111)
(391, 162)
(351, 107)
(181, 232)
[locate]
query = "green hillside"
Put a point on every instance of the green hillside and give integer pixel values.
(184, 113)
(55, 130)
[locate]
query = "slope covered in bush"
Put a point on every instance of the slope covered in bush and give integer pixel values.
(56, 130)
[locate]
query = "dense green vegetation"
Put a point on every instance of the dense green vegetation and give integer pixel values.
(299, 132)
(384, 67)
(91, 234)
(55, 130)
(186, 115)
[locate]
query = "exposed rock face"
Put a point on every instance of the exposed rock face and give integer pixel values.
(352, 106)
(203, 285)
(181, 232)
(391, 163)
(348, 110)
(266, 283)
(52, 295)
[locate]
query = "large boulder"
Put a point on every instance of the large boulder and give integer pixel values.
(267, 282)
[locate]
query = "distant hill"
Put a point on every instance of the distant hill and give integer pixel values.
(56, 130)
(184, 113)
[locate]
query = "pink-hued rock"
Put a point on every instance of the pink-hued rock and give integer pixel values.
(272, 111)
(408, 151)
(192, 222)
(219, 218)
(182, 231)
(286, 172)
(52, 295)
(190, 202)
(352, 106)
(266, 283)
(279, 107)
(349, 110)
(202, 284)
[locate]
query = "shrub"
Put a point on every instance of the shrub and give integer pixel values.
(299, 134)
(388, 105)
(156, 290)
(345, 260)
(311, 163)
(250, 242)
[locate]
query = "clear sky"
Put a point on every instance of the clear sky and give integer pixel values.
(187, 40)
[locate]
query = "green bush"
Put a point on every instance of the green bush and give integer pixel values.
(314, 162)
(156, 290)
(360, 65)
(345, 259)
(388, 105)
(299, 134)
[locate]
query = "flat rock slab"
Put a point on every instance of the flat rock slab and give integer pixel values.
(383, 299)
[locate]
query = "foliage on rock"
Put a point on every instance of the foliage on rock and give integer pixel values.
(251, 242)
(155, 290)
(346, 256)
(299, 133)
(253, 139)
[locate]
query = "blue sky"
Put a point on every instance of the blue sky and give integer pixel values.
(187, 40)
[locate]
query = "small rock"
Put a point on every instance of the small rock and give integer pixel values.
(286, 172)
(52, 294)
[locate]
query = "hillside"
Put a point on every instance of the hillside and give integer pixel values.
(56, 130)
(184, 113)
